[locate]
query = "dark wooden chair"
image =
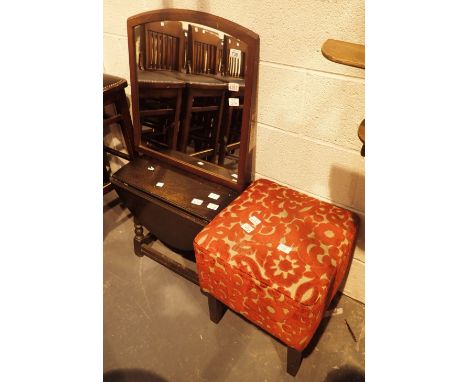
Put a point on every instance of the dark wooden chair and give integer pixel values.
(160, 102)
(233, 69)
(204, 94)
(230, 132)
(203, 102)
(162, 52)
(116, 112)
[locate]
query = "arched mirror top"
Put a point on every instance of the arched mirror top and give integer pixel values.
(193, 81)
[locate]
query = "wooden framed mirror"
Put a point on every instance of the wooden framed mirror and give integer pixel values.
(193, 84)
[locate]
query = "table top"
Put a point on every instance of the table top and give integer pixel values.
(362, 131)
(175, 186)
(345, 53)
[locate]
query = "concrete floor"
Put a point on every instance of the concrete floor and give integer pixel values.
(157, 327)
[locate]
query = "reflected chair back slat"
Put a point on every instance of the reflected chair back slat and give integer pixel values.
(204, 51)
(164, 46)
(233, 57)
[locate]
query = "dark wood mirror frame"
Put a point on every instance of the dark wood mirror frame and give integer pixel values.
(247, 143)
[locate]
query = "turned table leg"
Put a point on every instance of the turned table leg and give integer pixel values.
(138, 239)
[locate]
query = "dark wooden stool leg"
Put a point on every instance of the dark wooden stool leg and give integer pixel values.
(294, 361)
(217, 309)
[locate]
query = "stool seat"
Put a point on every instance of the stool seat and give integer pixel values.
(113, 83)
(277, 256)
(115, 111)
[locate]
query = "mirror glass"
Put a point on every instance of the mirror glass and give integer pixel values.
(191, 81)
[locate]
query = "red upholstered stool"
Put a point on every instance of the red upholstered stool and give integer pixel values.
(277, 257)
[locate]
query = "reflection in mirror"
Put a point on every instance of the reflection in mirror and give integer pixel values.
(191, 93)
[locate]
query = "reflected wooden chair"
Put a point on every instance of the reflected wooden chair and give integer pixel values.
(204, 94)
(234, 52)
(230, 132)
(160, 102)
(116, 112)
(203, 101)
(233, 69)
(162, 52)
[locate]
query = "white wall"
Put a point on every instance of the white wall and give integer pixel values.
(309, 108)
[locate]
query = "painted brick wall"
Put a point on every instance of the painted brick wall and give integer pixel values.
(308, 107)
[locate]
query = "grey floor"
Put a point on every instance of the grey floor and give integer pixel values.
(157, 328)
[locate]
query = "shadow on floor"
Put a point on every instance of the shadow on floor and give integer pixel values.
(346, 373)
(120, 214)
(132, 375)
(348, 185)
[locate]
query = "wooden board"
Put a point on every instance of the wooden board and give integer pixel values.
(345, 53)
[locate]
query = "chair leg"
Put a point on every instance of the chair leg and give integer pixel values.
(176, 128)
(294, 361)
(217, 309)
(126, 124)
(217, 128)
(184, 134)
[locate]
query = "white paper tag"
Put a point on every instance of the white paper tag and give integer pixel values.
(200, 163)
(247, 227)
(151, 168)
(196, 201)
(159, 184)
(235, 53)
(233, 86)
(162, 23)
(254, 220)
(233, 101)
(212, 206)
(284, 248)
(234, 175)
(213, 196)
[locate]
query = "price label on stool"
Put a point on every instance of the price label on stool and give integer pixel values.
(159, 184)
(284, 248)
(247, 227)
(212, 206)
(254, 220)
(196, 201)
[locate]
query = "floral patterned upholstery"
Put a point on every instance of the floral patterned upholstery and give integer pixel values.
(284, 273)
